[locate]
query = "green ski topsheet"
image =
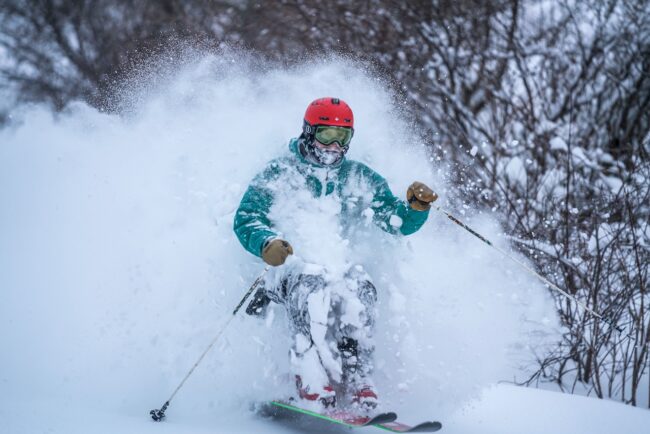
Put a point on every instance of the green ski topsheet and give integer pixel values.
(386, 421)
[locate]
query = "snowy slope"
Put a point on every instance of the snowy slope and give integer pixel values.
(118, 264)
(501, 410)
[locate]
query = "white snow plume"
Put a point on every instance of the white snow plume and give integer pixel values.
(118, 262)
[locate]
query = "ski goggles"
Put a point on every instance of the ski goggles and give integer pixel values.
(328, 135)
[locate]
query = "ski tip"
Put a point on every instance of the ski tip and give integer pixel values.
(427, 427)
(382, 418)
(398, 427)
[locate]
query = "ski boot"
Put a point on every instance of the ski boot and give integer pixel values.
(326, 396)
(360, 389)
(365, 397)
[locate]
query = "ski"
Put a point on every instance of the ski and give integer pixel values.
(395, 426)
(340, 417)
(386, 421)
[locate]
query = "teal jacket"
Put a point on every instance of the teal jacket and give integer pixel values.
(253, 227)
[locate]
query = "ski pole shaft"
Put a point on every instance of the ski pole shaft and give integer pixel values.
(159, 414)
(526, 267)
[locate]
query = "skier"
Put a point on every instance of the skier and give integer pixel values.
(330, 307)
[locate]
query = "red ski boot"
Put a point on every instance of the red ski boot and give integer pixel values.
(365, 397)
(326, 395)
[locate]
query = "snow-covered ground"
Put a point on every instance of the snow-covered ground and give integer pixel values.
(502, 409)
(118, 264)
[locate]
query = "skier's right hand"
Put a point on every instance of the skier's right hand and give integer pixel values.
(275, 252)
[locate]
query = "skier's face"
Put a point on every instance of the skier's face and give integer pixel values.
(328, 155)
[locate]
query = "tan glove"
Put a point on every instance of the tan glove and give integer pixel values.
(420, 196)
(275, 252)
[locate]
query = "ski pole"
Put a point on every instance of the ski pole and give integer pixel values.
(159, 414)
(527, 268)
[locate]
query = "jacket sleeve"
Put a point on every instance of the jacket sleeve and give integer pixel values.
(390, 213)
(252, 225)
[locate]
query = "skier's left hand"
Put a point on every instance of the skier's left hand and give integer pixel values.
(420, 196)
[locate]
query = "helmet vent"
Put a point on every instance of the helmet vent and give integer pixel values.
(336, 101)
(347, 120)
(324, 118)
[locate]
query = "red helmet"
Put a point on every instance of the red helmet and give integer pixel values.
(328, 111)
(332, 119)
